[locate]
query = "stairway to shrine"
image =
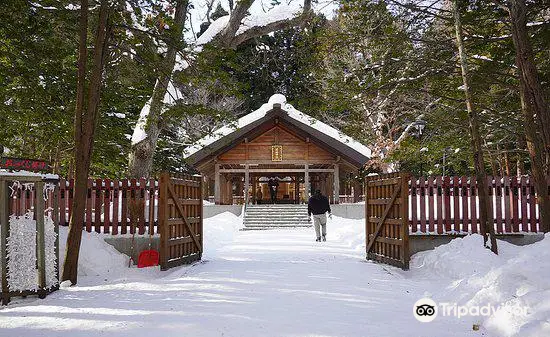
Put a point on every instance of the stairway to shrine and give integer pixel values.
(275, 215)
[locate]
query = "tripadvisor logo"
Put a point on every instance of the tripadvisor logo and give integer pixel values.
(425, 310)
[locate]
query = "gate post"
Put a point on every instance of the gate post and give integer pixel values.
(163, 219)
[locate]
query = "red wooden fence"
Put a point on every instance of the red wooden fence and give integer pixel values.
(449, 205)
(107, 205)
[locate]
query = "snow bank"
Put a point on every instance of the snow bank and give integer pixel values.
(517, 278)
(220, 230)
(96, 257)
(350, 232)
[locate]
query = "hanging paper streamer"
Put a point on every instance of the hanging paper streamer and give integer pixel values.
(21, 246)
(51, 259)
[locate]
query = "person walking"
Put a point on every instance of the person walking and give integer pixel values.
(318, 205)
(273, 184)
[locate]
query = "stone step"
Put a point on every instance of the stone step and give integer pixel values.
(288, 225)
(275, 214)
(278, 216)
(269, 216)
(274, 220)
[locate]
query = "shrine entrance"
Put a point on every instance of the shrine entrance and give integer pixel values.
(295, 150)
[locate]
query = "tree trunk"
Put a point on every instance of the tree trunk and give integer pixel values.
(141, 157)
(507, 163)
(85, 121)
(485, 209)
(535, 111)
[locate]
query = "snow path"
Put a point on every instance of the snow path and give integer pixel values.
(255, 283)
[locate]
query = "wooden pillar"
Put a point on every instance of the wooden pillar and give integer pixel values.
(4, 228)
(246, 183)
(306, 182)
(323, 183)
(204, 187)
(217, 185)
(356, 189)
(40, 239)
(297, 189)
(336, 191)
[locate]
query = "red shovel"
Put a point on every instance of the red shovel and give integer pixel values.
(148, 258)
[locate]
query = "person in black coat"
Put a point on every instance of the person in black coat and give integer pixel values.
(318, 205)
(273, 185)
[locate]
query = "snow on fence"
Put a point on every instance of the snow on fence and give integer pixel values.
(107, 205)
(449, 205)
(29, 244)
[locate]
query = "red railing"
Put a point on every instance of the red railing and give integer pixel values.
(107, 205)
(449, 205)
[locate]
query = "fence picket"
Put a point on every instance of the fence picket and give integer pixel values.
(498, 204)
(524, 192)
(141, 196)
(89, 206)
(97, 206)
(456, 204)
(515, 204)
(107, 206)
(124, 205)
(115, 201)
(532, 207)
(414, 205)
(447, 203)
(431, 205)
(464, 202)
(422, 204)
(473, 205)
(507, 210)
(151, 198)
(439, 205)
(133, 186)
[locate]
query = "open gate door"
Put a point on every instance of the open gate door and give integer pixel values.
(180, 216)
(387, 219)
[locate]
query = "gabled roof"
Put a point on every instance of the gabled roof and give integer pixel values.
(277, 107)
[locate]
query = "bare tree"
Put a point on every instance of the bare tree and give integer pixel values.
(485, 209)
(535, 110)
(86, 115)
(141, 157)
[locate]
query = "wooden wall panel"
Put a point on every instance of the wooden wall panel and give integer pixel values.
(236, 153)
(259, 148)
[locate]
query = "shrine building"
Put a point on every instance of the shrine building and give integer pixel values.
(281, 143)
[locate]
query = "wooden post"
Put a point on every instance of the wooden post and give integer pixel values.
(163, 219)
(246, 183)
(217, 187)
(405, 219)
(40, 240)
(56, 226)
(4, 225)
(336, 183)
(201, 215)
(306, 183)
(356, 189)
(296, 189)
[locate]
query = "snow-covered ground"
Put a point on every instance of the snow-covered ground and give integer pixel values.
(282, 283)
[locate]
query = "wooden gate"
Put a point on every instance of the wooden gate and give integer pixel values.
(180, 219)
(387, 219)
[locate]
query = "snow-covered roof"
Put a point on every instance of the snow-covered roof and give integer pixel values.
(45, 176)
(296, 116)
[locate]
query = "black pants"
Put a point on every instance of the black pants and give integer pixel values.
(273, 194)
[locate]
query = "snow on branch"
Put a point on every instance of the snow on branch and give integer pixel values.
(232, 30)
